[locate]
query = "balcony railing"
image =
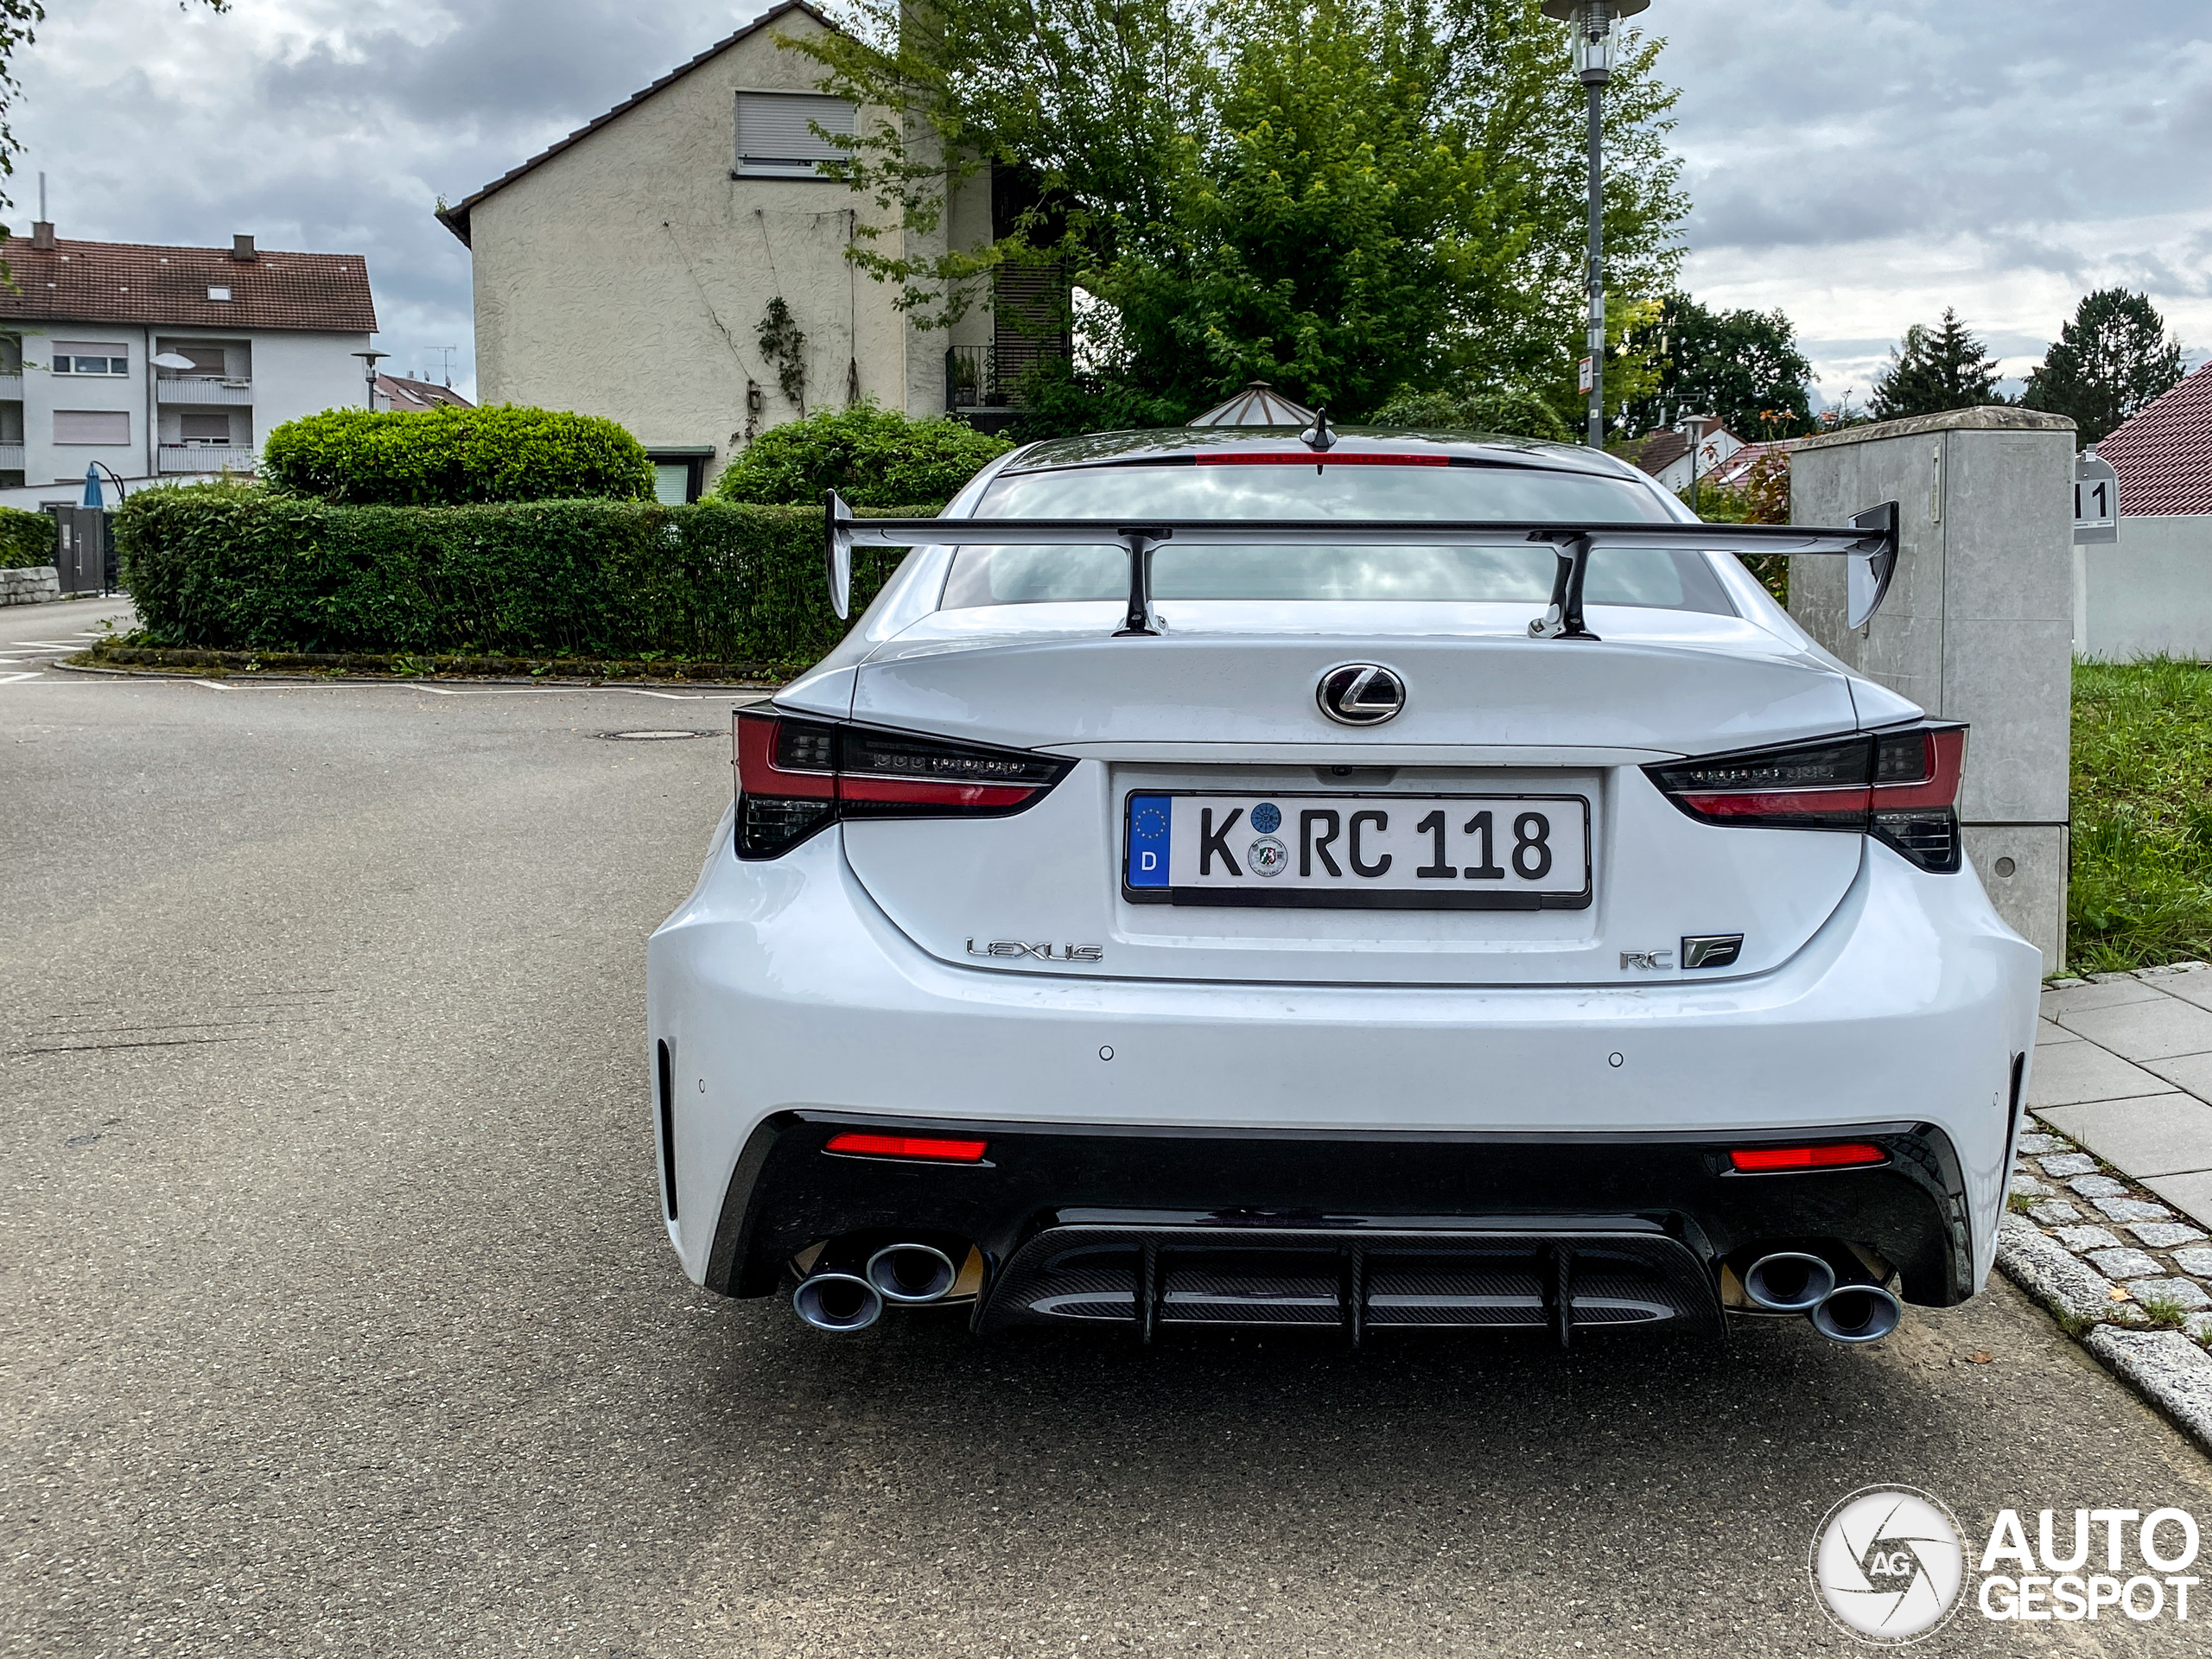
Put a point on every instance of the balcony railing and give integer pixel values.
(11, 457)
(11, 386)
(201, 389)
(207, 457)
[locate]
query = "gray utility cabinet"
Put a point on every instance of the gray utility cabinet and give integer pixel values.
(84, 555)
(1978, 623)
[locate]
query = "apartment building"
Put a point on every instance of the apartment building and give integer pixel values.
(165, 363)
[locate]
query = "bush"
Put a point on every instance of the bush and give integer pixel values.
(233, 567)
(873, 456)
(447, 457)
(26, 538)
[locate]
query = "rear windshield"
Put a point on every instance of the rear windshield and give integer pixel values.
(1516, 572)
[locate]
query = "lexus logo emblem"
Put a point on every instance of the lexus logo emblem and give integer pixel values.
(1361, 694)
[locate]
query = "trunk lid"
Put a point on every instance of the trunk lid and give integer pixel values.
(1223, 706)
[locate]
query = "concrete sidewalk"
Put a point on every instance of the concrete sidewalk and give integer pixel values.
(2124, 1067)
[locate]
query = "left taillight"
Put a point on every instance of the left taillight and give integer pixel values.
(795, 775)
(1900, 786)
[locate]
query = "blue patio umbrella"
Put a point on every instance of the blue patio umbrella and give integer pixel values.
(93, 496)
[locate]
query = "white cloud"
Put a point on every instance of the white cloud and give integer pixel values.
(1864, 164)
(329, 125)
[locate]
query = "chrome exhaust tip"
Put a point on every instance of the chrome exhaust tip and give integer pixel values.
(1789, 1281)
(837, 1302)
(1857, 1313)
(912, 1273)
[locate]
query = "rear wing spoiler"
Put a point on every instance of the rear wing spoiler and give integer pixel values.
(1869, 542)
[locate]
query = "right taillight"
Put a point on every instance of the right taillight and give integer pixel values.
(795, 775)
(1914, 807)
(1901, 787)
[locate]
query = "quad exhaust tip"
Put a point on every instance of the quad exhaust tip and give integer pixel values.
(1857, 1313)
(1793, 1281)
(912, 1273)
(837, 1302)
(1789, 1281)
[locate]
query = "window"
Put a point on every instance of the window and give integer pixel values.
(678, 473)
(204, 426)
(1516, 573)
(101, 426)
(78, 357)
(776, 137)
(217, 291)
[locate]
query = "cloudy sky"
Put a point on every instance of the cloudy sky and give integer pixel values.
(1860, 163)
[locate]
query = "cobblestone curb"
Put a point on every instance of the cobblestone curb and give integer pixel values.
(2166, 1368)
(2118, 1268)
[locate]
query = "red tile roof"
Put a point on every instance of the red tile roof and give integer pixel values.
(456, 218)
(404, 393)
(126, 282)
(2164, 456)
(1655, 451)
(1733, 470)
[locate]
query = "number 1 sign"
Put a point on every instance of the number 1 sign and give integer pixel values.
(2096, 500)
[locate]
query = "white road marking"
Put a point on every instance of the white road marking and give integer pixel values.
(12, 679)
(213, 685)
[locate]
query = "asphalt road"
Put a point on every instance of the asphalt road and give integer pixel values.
(336, 1316)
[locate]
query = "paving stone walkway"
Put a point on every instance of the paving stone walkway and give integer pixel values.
(2124, 1069)
(2112, 1190)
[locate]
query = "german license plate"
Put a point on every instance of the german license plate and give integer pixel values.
(1382, 852)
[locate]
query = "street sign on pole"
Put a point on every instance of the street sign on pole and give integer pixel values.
(1585, 377)
(2096, 500)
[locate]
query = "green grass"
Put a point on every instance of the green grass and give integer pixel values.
(2142, 881)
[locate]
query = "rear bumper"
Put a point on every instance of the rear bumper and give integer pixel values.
(784, 997)
(1664, 1207)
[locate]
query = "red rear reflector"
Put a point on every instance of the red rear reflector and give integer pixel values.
(1758, 1161)
(1315, 458)
(937, 1147)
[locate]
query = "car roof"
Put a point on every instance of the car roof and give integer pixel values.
(1171, 444)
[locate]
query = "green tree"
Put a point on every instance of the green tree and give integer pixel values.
(2107, 365)
(1934, 369)
(1349, 199)
(1743, 366)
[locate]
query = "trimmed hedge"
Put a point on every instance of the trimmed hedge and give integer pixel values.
(447, 457)
(26, 538)
(232, 567)
(873, 456)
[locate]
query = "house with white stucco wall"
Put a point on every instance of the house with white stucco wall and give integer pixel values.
(2149, 592)
(626, 270)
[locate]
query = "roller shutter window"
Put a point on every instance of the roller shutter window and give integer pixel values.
(776, 137)
(198, 427)
(107, 427)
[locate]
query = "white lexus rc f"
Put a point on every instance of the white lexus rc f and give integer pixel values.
(1356, 879)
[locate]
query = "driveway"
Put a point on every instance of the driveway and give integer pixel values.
(336, 1315)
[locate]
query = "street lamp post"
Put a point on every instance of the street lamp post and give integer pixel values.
(1590, 25)
(369, 359)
